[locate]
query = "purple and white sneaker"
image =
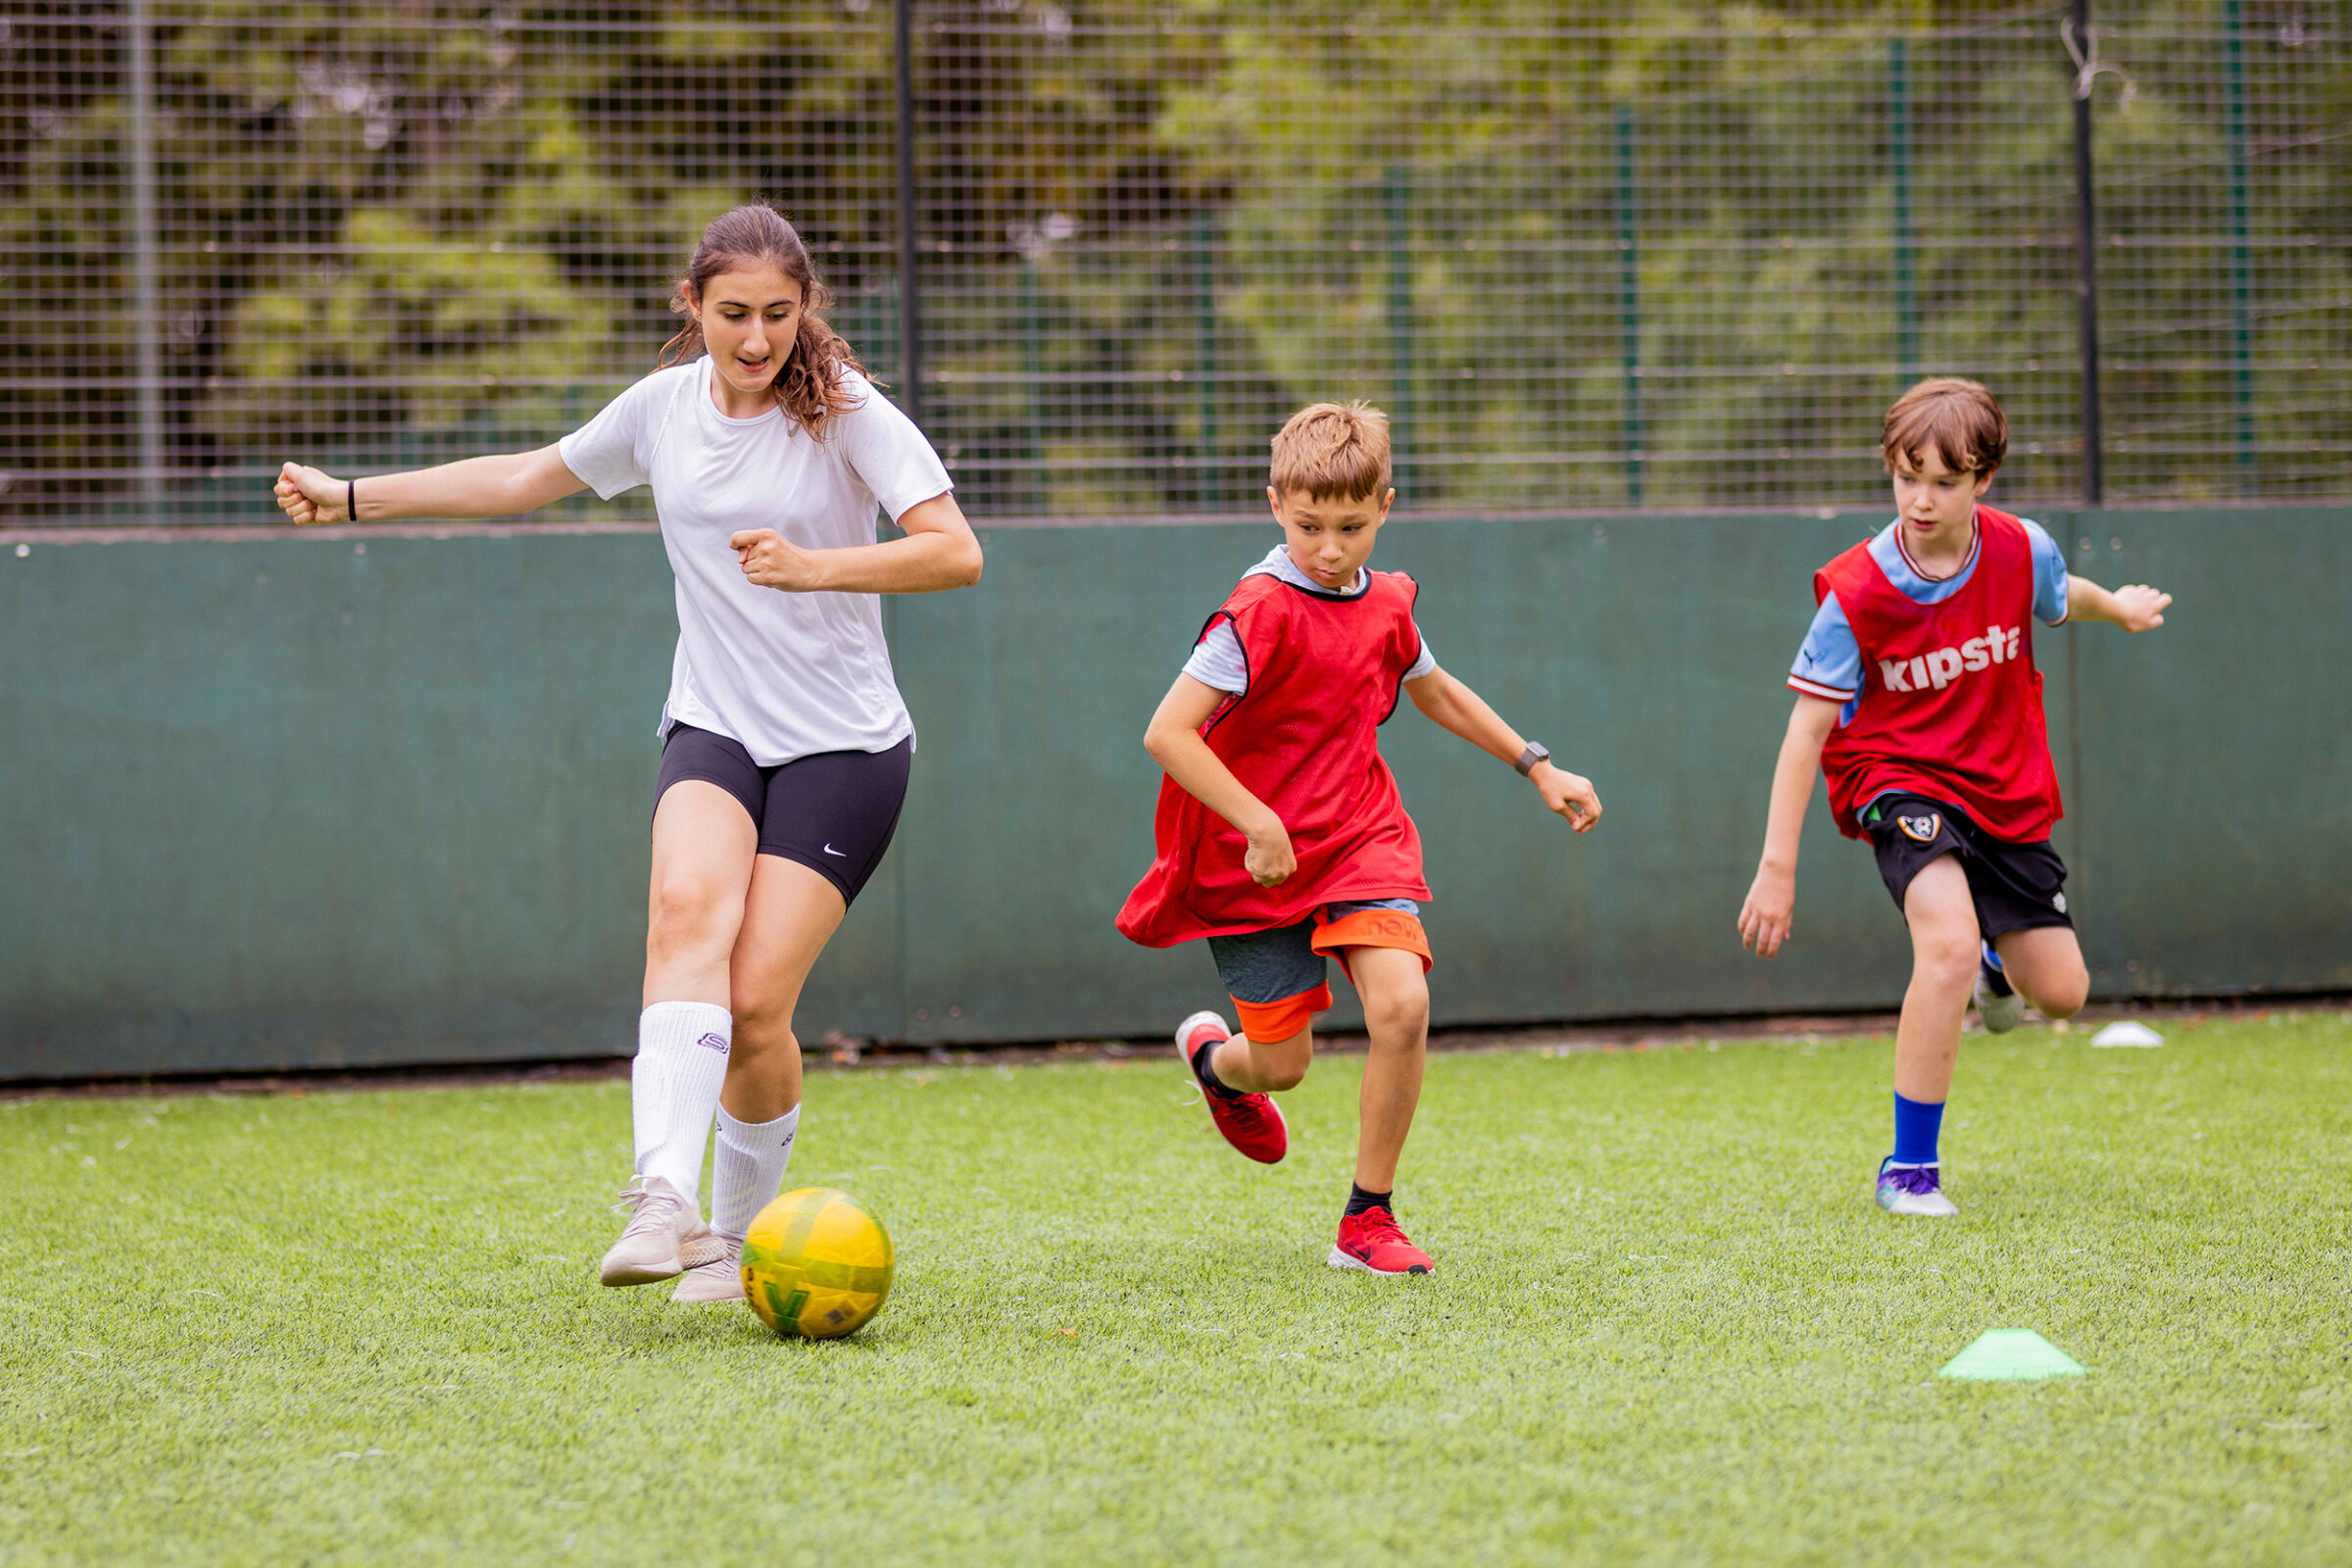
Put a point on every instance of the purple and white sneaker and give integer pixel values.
(1914, 1190)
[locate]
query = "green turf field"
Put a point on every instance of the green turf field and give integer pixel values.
(1669, 1325)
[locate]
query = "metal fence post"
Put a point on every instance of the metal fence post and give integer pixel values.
(1400, 315)
(1898, 132)
(1211, 488)
(146, 326)
(910, 313)
(2242, 268)
(2086, 241)
(1629, 304)
(1033, 374)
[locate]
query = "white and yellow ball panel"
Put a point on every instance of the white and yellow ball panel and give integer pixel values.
(815, 1264)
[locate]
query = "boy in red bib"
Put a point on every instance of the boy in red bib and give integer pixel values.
(1918, 697)
(1281, 837)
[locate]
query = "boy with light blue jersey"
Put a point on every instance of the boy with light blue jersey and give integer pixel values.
(1918, 698)
(1830, 662)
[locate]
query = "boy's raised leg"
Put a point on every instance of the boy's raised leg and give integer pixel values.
(1263, 1066)
(2046, 963)
(1397, 1017)
(1947, 950)
(1234, 1082)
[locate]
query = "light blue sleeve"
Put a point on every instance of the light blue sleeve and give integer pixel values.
(1829, 665)
(1218, 661)
(2049, 575)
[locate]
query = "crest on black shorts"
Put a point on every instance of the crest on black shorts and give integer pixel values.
(1921, 829)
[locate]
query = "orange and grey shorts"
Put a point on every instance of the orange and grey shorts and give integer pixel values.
(1279, 979)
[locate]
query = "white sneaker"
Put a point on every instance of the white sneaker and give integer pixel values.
(1915, 1190)
(716, 1278)
(1999, 1014)
(664, 1223)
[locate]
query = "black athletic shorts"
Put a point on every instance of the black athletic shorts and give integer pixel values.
(2015, 887)
(833, 812)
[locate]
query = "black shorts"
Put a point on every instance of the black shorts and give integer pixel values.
(833, 812)
(2015, 887)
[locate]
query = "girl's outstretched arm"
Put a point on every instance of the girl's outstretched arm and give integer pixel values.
(1452, 705)
(504, 486)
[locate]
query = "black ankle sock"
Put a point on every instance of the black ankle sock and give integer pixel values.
(1358, 1199)
(1208, 1074)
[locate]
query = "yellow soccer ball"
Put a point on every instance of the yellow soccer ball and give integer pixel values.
(815, 1264)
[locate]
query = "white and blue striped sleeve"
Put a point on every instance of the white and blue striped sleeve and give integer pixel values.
(2049, 575)
(1829, 665)
(1218, 661)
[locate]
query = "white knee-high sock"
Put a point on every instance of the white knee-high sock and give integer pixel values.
(748, 1171)
(673, 1088)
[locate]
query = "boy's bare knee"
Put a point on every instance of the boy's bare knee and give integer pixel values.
(1947, 958)
(1278, 1064)
(2064, 996)
(1397, 1011)
(1281, 1075)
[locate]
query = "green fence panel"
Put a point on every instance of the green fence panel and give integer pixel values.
(289, 804)
(282, 803)
(1648, 654)
(2217, 756)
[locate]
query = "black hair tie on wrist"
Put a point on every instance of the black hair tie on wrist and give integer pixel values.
(351, 501)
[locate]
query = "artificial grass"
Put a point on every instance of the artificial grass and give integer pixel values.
(1668, 1326)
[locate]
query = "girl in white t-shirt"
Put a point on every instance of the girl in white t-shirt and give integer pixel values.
(785, 743)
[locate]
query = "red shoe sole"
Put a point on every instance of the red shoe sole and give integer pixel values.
(1341, 1258)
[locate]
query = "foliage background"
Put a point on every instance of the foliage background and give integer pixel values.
(1587, 260)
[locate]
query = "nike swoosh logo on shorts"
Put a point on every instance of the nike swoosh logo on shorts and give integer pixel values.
(830, 850)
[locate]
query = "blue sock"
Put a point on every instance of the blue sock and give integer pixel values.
(1915, 1129)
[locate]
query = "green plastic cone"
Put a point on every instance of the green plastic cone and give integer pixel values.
(2001, 1354)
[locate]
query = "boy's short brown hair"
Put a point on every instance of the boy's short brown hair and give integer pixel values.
(1333, 450)
(1958, 418)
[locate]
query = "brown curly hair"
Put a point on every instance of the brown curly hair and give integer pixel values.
(810, 386)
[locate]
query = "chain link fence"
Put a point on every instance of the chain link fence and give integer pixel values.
(1679, 256)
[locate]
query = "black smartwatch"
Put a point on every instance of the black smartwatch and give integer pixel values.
(1537, 752)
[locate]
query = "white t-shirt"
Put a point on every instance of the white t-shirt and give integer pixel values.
(788, 674)
(1218, 661)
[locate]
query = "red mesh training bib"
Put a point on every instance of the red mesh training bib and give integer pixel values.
(1325, 674)
(1950, 703)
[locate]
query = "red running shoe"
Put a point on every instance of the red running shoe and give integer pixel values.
(1371, 1242)
(1251, 1123)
